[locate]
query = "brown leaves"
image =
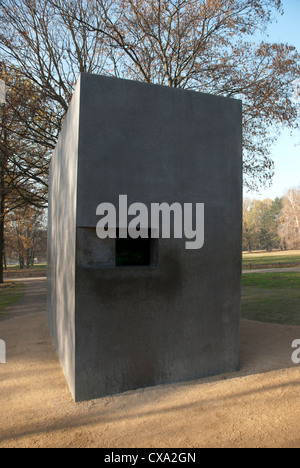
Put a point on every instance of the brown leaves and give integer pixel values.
(199, 45)
(24, 164)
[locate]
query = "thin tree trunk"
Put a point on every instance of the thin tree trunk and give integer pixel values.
(2, 197)
(28, 259)
(4, 258)
(1, 248)
(2, 207)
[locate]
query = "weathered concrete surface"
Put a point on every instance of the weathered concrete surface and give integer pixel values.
(62, 241)
(137, 327)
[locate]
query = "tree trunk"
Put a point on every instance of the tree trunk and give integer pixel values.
(1, 247)
(28, 259)
(3, 160)
(2, 206)
(4, 258)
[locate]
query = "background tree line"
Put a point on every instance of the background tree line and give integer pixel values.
(272, 224)
(25, 237)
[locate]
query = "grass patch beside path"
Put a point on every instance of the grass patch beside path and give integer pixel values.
(272, 297)
(9, 294)
(271, 260)
(36, 266)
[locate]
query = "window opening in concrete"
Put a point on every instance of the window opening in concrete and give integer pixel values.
(136, 252)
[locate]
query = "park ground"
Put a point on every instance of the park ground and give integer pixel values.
(259, 406)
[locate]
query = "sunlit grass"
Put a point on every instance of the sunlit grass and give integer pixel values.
(272, 297)
(271, 260)
(9, 294)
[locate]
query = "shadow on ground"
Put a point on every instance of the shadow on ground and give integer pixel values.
(256, 407)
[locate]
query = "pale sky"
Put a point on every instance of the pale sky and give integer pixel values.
(286, 152)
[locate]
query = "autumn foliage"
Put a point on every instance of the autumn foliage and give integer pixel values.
(272, 224)
(210, 46)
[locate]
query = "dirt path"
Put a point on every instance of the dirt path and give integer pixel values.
(257, 407)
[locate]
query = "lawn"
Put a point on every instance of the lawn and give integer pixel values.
(36, 266)
(271, 260)
(9, 294)
(272, 297)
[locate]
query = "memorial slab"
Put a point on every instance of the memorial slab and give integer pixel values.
(131, 314)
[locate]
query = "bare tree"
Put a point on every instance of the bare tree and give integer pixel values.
(200, 45)
(23, 161)
(51, 47)
(251, 225)
(24, 233)
(42, 52)
(260, 224)
(206, 46)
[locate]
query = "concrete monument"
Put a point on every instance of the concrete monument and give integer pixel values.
(130, 313)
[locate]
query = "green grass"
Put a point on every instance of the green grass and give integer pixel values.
(39, 266)
(272, 297)
(270, 261)
(9, 294)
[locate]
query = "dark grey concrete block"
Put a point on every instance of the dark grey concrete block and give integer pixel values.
(118, 329)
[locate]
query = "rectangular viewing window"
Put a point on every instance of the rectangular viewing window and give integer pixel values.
(136, 252)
